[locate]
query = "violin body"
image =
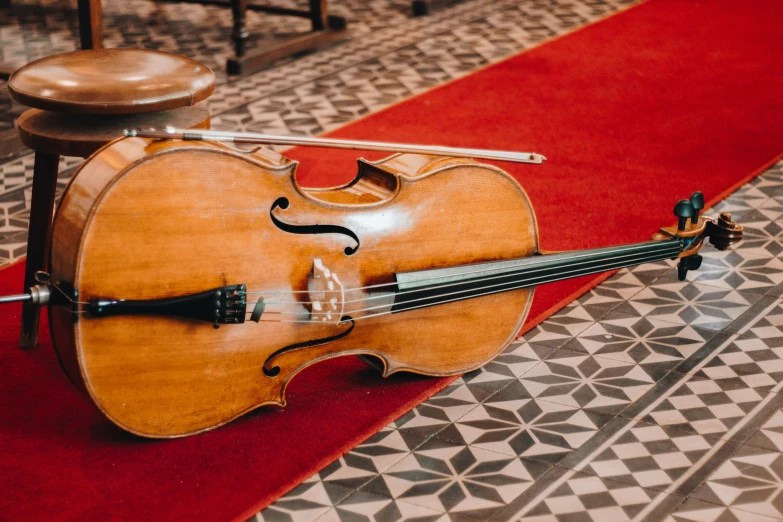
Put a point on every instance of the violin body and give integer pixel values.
(151, 220)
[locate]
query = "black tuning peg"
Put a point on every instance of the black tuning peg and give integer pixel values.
(697, 200)
(688, 263)
(683, 210)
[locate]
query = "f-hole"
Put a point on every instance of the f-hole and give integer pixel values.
(311, 229)
(275, 370)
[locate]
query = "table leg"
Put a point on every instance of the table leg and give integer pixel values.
(318, 12)
(327, 30)
(90, 24)
(239, 33)
(425, 7)
(5, 69)
(39, 235)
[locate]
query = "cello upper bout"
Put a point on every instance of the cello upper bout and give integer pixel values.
(379, 181)
(372, 184)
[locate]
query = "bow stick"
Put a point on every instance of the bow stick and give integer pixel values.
(269, 139)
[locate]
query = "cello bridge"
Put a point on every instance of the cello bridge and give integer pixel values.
(327, 296)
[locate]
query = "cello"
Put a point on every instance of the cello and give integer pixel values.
(181, 303)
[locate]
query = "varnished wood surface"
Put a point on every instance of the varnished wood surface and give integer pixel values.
(111, 81)
(163, 377)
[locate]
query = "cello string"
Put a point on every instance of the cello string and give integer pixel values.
(370, 316)
(642, 258)
(525, 284)
(531, 261)
(457, 283)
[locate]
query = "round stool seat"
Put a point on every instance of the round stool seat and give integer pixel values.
(111, 81)
(69, 135)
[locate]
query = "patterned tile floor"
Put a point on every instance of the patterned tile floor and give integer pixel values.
(646, 399)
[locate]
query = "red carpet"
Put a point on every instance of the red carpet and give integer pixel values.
(633, 112)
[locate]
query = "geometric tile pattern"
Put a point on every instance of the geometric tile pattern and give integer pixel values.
(583, 497)
(515, 426)
(699, 405)
(563, 326)
(740, 270)
(696, 304)
(450, 477)
(650, 456)
(648, 342)
(695, 510)
(751, 480)
(587, 381)
(770, 435)
(746, 365)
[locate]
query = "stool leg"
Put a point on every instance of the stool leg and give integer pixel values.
(41, 208)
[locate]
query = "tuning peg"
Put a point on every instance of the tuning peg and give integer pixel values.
(683, 210)
(697, 200)
(688, 263)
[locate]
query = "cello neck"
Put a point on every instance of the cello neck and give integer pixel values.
(443, 285)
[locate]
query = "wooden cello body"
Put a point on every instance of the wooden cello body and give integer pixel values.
(146, 221)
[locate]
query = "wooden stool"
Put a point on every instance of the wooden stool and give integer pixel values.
(83, 100)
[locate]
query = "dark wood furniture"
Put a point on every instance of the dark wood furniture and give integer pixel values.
(425, 7)
(84, 100)
(326, 29)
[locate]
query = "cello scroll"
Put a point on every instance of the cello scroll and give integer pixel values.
(692, 229)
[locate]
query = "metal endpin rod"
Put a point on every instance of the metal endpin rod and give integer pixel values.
(269, 139)
(38, 295)
(15, 298)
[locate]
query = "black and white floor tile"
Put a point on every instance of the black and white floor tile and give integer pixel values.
(511, 424)
(447, 476)
(770, 435)
(695, 510)
(645, 399)
(582, 497)
(750, 480)
(587, 381)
